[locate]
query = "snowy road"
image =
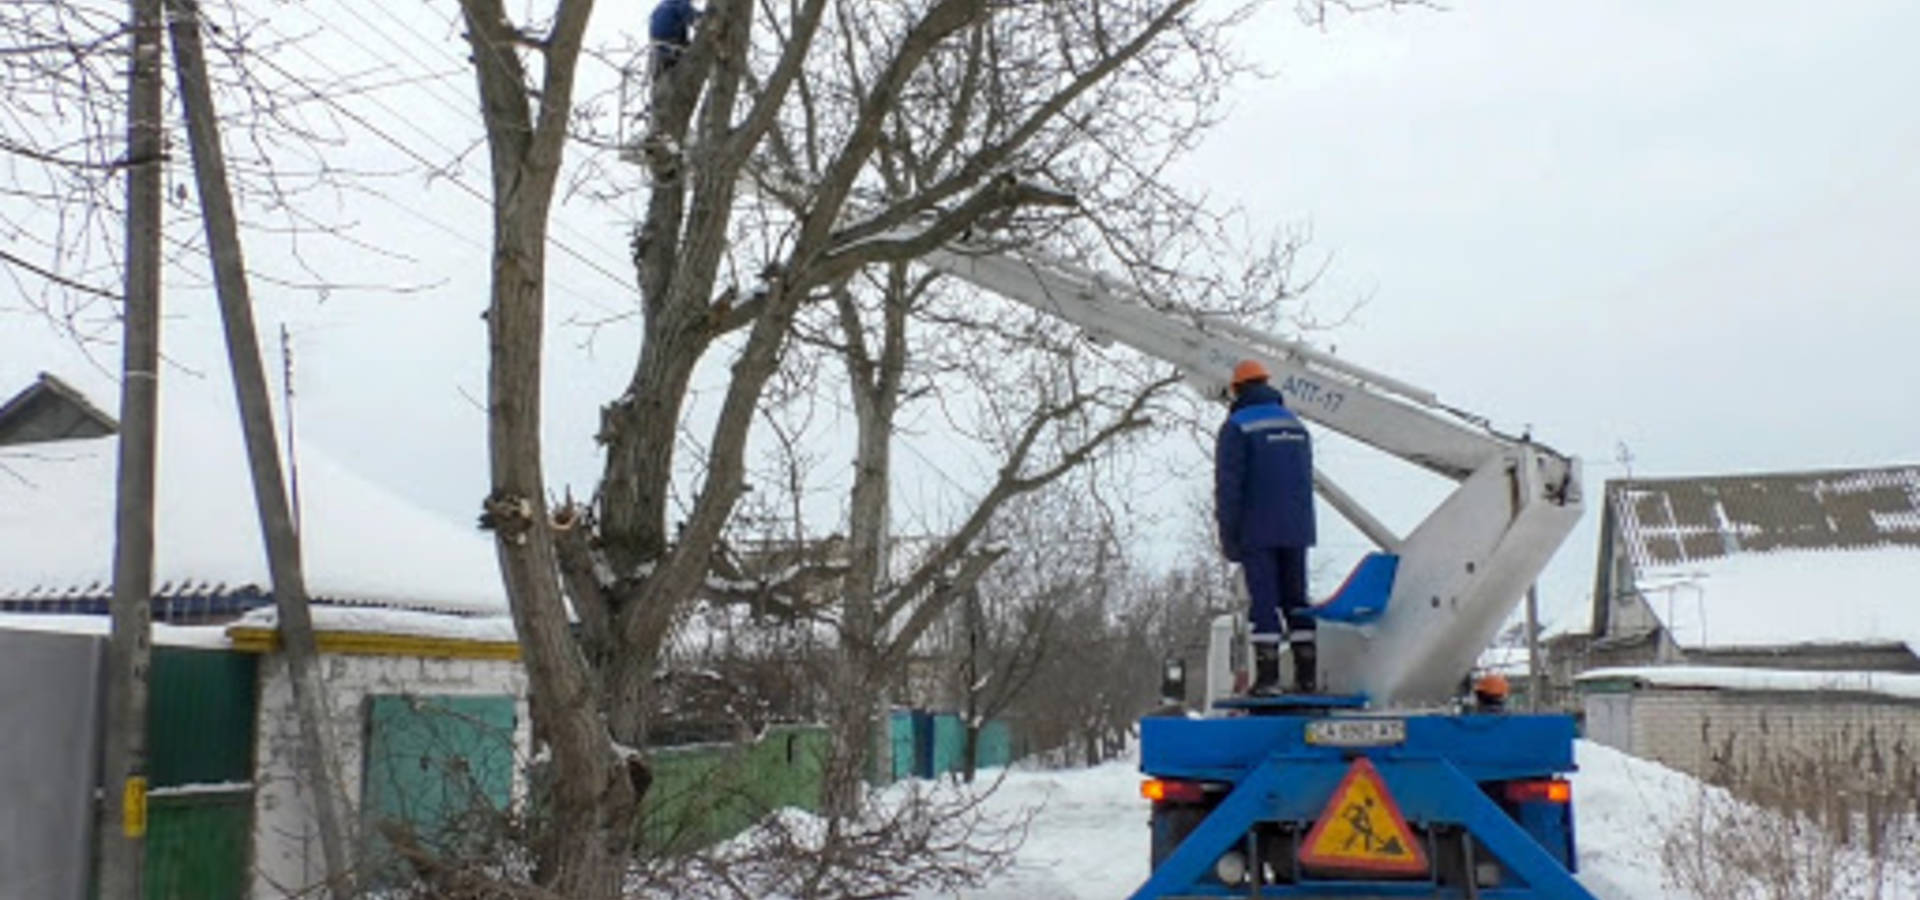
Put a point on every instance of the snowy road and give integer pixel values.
(1089, 838)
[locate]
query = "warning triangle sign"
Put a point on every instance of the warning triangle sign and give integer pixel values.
(1362, 831)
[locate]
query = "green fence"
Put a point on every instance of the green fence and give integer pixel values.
(710, 792)
(927, 745)
(197, 845)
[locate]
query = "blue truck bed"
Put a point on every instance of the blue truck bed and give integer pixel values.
(1477, 801)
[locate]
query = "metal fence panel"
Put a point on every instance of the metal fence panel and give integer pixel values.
(49, 755)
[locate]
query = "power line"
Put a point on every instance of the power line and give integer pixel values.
(419, 158)
(458, 104)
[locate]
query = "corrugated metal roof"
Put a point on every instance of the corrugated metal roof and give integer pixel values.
(1675, 521)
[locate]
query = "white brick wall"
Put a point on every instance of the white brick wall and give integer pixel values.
(287, 856)
(1700, 731)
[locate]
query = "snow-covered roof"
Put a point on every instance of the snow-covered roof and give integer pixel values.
(1730, 678)
(1773, 559)
(375, 620)
(1787, 598)
(362, 544)
(212, 637)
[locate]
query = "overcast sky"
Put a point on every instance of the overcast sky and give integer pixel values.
(1681, 228)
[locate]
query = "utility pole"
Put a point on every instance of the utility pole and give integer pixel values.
(293, 446)
(123, 825)
(256, 426)
(1536, 685)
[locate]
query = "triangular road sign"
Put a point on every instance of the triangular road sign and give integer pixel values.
(1362, 831)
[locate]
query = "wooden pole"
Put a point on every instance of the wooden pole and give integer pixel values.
(123, 825)
(256, 426)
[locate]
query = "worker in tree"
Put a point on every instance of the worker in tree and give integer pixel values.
(1263, 499)
(671, 30)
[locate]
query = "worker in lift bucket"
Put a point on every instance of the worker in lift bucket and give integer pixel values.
(671, 30)
(1263, 500)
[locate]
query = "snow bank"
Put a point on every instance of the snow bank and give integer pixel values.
(1624, 808)
(1742, 679)
(1088, 837)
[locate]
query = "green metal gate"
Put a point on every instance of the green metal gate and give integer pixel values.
(200, 725)
(432, 764)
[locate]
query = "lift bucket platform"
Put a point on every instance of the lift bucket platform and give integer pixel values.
(1455, 804)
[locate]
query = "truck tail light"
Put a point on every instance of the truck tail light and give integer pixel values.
(1546, 790)
(1162, 790)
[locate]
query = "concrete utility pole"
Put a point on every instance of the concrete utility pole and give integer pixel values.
(1536, 683)
(123, 825)
(256, 426)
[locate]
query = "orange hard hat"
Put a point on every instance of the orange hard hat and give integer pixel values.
(1492, 684)
(1249, 370)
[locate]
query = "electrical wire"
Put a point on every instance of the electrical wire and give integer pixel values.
(458, 103)
(626, 285)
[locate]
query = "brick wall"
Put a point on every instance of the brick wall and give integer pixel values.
(287, 855)
(1722, 734)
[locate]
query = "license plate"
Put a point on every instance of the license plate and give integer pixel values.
(1357, 732)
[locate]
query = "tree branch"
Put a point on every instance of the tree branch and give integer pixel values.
(999, 153)
(1012, 484)
(1004, 193)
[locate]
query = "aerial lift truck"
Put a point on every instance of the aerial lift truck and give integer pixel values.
(1388, 783)
(1385, 784)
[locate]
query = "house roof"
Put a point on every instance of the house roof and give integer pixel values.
(362, 545)
(1776, 560)
(49, 410)
(1905, 687)
(1679, 521)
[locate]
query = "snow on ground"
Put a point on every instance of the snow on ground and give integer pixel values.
(1623, 809)
(1089, 838)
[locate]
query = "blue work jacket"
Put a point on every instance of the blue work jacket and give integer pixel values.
(1263, 475)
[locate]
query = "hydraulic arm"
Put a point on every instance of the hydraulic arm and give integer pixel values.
(1460, 571)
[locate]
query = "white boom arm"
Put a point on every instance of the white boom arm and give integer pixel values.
(1462, 569)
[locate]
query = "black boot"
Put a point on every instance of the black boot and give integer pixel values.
(1306, 668)
(1266, 669)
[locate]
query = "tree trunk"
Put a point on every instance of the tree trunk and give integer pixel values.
(855, 728)
(122, 836)
(639, 431)
(971, 758)
(256, 426)
(581, 846)
(583, 831)
(971, 755)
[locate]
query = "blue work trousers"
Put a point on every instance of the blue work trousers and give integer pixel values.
(1277, 587)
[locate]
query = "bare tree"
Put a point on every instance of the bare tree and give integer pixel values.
(796, 153)
(731, 112)
(1013, 626)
